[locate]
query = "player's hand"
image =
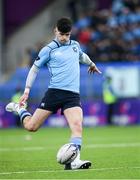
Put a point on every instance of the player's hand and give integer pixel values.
(23, 99)
(93, 69)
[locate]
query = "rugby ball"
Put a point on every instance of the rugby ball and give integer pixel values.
(67, 153)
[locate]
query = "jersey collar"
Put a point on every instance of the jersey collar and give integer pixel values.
(59, 44)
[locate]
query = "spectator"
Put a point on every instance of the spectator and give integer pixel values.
(109, 98)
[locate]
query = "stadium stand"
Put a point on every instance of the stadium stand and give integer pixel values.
(111, 34)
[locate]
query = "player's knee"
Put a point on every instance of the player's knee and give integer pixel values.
(31, 127)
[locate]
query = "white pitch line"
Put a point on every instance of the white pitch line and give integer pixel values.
(113, 145)
(40, 148)
(23, 149)
(62, 171)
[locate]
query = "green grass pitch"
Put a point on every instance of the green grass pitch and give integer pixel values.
(114, 152)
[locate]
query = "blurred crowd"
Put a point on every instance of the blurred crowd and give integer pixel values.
(111, 34)
(105, 34)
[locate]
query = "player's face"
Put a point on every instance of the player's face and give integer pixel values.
(62, 37)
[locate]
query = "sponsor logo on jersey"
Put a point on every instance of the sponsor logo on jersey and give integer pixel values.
(42, 104)
(58, 53)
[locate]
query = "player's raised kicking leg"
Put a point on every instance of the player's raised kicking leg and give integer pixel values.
(30, 122)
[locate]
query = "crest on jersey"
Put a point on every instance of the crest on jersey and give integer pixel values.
(37, 59)
(74, 49)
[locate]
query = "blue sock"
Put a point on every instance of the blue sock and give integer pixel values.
(23, 113)
(77, 141)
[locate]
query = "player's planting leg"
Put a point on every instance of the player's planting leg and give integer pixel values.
(74, 117)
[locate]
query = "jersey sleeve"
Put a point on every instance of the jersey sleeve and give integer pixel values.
(80, 50)
(43, 57)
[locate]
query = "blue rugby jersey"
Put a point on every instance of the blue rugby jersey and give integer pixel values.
(63, 64)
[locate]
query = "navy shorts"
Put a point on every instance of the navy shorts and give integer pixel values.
(55, 99)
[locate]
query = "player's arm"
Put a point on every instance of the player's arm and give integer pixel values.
(84, 59)
(41, 59)
(29, 82)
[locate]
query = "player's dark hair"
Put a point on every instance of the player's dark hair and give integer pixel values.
(64, 25)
